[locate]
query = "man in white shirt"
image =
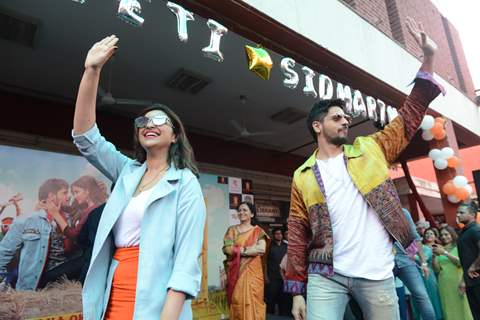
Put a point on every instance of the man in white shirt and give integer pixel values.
(345, 212)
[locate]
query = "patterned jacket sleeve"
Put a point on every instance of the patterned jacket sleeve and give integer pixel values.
(396, 135)
(298, 239)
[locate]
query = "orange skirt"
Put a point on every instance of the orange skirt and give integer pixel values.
(122, 295)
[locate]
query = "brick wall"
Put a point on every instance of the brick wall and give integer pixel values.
(462, 61)
(428, 14)
(374, 11)
(389, 17)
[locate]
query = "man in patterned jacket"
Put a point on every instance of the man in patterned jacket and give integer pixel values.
(345, 212)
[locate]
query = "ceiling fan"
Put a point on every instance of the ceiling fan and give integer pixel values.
(106, 98)
(243, 132)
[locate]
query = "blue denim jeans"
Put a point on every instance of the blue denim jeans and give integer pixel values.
(327, 297)
(412, 279)
(402, 303)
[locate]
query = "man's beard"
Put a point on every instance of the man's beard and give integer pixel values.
(338, 140)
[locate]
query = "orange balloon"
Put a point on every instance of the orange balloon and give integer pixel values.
(441, 135)
(453, 162)
(449, 188)
(461, 194)
(440, 120)
(437, 128)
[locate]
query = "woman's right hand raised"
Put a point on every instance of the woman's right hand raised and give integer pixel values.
(100, 52)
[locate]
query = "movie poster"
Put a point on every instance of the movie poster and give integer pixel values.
(32, 182)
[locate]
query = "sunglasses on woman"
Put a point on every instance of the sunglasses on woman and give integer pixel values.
(143, 121)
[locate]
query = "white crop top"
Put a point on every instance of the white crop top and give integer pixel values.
(126, 231)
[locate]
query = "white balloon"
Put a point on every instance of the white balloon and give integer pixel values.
(345, 93)
(447, 153)
(325, 87)
(460, 181)
(129, 11)
(392, 113)
(383, 112)
(309, 89)
(440, 164)
(453, 199)
(359, 107)
(216, 32)
(427, 135)
(183, 16)
(372, 108)
(435, 154)
(427, 122)
(469, 189)
(291, 76)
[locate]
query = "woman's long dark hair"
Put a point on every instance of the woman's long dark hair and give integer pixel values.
(453, 234)
(180, 152)
(97, 194)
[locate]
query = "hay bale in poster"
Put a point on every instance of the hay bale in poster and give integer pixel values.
(62, 297)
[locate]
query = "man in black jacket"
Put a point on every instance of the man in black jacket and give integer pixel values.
(469, 252)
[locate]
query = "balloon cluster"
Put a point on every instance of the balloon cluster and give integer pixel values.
(457, 189)
(433, 128)
(444, 158)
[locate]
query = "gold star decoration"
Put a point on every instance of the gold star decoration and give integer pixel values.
(259, 61)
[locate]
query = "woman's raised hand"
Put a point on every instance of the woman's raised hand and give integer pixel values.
(100, 52)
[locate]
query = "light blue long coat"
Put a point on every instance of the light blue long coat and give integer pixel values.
(171, 233)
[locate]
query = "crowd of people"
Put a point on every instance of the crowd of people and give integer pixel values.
(429, 271)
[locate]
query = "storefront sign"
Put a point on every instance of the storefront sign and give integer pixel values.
(268, 209)
(356, 103)
(266, 219)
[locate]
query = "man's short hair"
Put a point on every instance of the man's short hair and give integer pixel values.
(423, 224)
(51, 186)
(319, 110)
(471, 206)
(277, 229)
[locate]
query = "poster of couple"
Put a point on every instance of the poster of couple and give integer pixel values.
(50, 206)
(48, 202)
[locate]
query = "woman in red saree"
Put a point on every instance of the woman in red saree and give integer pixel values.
(244, 246)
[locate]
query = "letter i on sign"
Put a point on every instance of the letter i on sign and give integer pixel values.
(216, 33)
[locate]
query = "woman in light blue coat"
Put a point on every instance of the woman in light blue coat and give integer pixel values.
(145, 258)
